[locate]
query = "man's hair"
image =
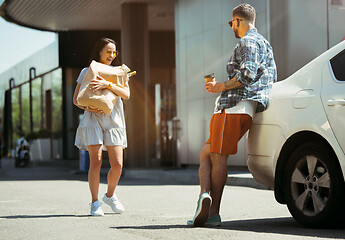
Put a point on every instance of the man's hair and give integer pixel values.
(246, 11)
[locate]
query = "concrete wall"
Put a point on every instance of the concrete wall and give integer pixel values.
(298, 33)
(204, 43)
(336, 18)
(302, 30)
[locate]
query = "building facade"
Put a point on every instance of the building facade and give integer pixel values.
(31, 100)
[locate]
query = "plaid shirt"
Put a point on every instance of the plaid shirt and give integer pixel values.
(252, 64)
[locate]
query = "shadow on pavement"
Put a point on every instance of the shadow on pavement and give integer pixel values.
(9, 173)
(285, 226)
(152, 227)
(42, 216)
(36, 173)
(65, 173)
(62, 172)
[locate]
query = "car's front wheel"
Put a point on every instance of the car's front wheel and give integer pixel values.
(314, 186)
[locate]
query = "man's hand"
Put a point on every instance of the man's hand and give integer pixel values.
(217, 87)
(214, 87)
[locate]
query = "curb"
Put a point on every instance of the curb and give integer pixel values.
(183, 176)
(244, 179)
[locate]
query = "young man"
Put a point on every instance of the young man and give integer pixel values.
(252, 71)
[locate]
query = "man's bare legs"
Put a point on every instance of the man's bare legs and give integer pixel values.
(219, 176)
(213, 173)
(205, 169)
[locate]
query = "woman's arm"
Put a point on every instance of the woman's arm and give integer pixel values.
(76, 91)
(101, 83)
(120, 91)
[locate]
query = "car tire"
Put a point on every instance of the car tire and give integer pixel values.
(314, 186)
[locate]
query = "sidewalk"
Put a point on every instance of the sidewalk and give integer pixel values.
(70, 170)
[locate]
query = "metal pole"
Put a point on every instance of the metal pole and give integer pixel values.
(12, 84)
(32, 76)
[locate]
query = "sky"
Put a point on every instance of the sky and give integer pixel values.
(18, 43)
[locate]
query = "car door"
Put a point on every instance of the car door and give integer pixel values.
(333, 95)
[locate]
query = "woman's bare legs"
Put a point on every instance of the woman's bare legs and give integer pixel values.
(95, 153)
(116, 162)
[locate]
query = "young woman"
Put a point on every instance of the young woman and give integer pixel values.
(98, 131)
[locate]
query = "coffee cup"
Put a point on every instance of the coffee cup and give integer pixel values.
(209, 78)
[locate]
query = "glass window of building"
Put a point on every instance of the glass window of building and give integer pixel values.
(36, 104)
(25, 91)
(16, 119)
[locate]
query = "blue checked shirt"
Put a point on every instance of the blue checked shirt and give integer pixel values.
(253, 65)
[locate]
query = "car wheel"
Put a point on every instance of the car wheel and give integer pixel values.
(314, 186)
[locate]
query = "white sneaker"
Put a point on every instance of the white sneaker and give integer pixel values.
(114, 203)
(96, 209)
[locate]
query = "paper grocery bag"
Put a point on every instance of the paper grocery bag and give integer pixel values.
(103, 99)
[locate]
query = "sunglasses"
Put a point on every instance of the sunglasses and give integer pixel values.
(230, 23)
(115, 53)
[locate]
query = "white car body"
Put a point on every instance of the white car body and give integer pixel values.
(310, 104)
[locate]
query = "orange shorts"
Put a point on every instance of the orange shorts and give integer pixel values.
(226, 130)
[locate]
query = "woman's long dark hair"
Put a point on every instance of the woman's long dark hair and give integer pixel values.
(98, 47)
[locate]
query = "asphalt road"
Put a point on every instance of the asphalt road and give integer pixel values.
(53, 203)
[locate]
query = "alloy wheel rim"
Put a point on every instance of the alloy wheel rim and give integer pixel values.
(310, 185)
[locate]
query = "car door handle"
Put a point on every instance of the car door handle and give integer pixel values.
(333, 102)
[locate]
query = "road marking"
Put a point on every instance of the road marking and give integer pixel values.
(10, 201)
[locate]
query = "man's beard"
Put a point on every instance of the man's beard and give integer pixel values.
(236, 34)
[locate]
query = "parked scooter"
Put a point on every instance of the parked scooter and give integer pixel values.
(22, 154)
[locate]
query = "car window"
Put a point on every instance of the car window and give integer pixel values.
(338, 66)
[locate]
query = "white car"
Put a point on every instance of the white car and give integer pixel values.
(297, 145)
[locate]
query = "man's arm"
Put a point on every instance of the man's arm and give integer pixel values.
(217, 87)
(232, 84)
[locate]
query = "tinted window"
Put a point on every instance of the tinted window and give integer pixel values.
(338, 66)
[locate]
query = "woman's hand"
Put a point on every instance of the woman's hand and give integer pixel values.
(95, 110)
(98, 83)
